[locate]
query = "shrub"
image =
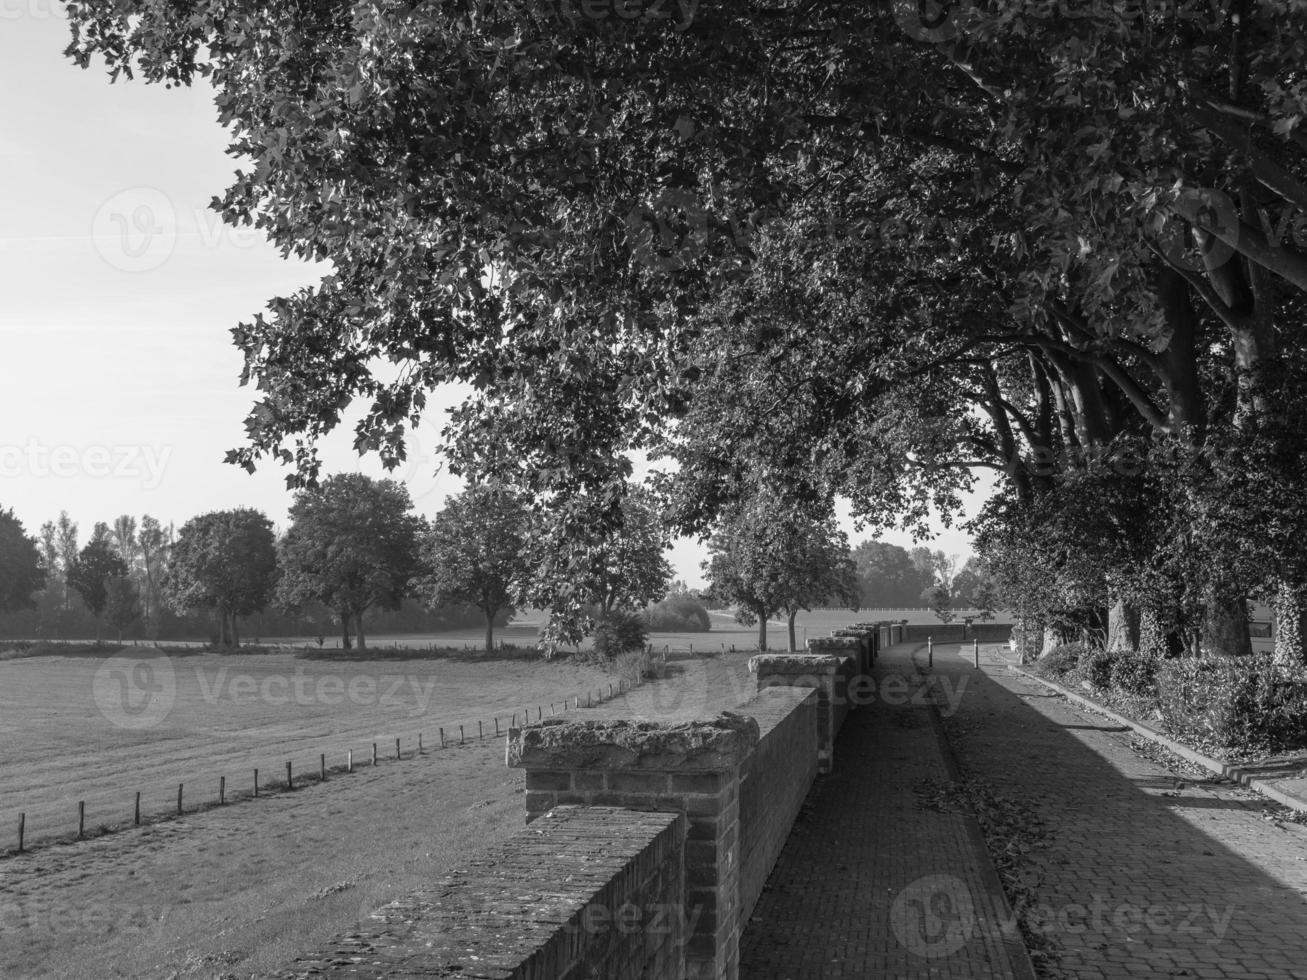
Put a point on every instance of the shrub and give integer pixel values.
(1248, 703)
(1135, 675)
(1095, 666)
(677, 614)
(620, 632)
(1061, 659)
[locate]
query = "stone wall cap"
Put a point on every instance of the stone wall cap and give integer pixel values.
(796, 663)
(557, 743)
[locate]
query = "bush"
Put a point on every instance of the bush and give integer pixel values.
(1247, 703)
(1135, 676)
(1095, 666)
(677, 614)
(620, 632)
(1061, 659)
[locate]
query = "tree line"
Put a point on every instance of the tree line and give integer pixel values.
(353, 551)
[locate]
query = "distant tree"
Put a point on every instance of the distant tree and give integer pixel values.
(66, 543)
(89, 575)
(22, 569)
(353, 546)
(154, 542)
(940, 602)
(122, 606)
(975, 587)
(475, 552)
(225, 561)
(769, 557)
(887, 575)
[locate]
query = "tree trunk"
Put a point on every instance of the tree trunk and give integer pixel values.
(344, 630)
(793, 646)
(1123, 626)
(1290, 624)
(762, 632)
(1225, 625)
(358, 630)
(222, 627)
(490, 630)
(235, 634)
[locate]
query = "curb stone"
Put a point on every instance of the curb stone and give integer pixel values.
(1237, 774)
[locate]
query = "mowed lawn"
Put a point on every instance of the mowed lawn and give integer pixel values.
(243, 889)
(98, 729)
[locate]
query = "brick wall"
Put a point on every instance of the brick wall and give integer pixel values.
(774, 781)
(584, 892)
(689, 767)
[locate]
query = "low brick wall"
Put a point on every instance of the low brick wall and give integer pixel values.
(584, 892)
(774, 781)
(691, 768)
(831, 677)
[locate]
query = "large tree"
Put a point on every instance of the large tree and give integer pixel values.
(225, 561)
(771, 557)
(476, 551)
(352, 545)
(95, 566)
(23, 571)
(887, 576)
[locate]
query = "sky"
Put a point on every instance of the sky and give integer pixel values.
(119, 391)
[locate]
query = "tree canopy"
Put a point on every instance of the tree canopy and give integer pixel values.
(226, 561)
(476, 551)
(352, 544)
(825, 246)
(769, 558)
(22, 570)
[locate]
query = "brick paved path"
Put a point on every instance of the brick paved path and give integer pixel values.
(1136, 877)
(873, 885)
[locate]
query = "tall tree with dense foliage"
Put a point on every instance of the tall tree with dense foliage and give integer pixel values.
(122, 607)
(476, 551)
(94, 567)
(352, 545)
(22, 569)
(771, 557)
(887, 576)
(225, 561)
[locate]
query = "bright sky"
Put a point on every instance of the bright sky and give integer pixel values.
(119, 393)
